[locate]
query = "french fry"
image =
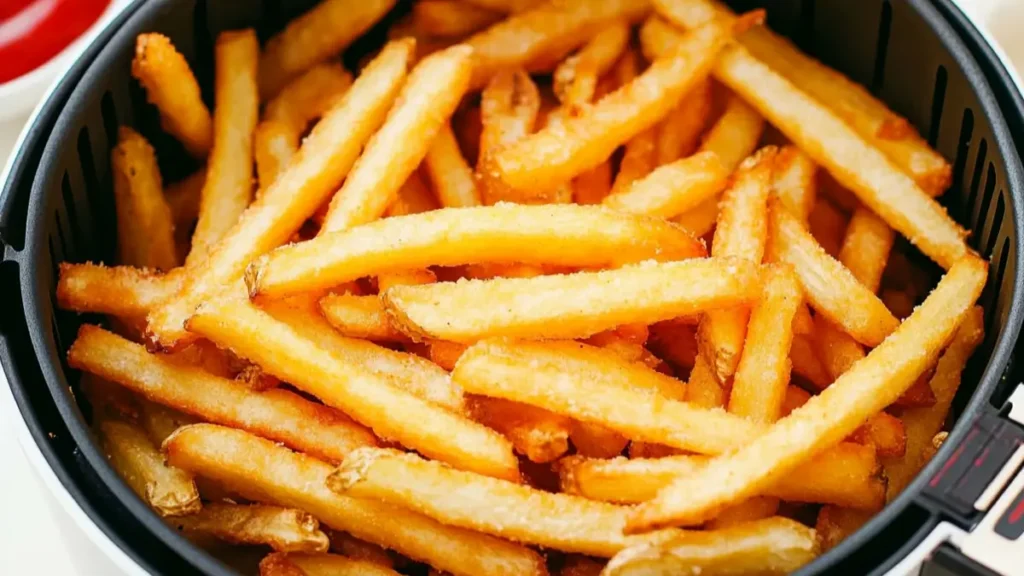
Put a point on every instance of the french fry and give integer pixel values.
(270, 473)
(541, 235)
(308, 97)
(865, 389)
(445, 354)
(228, 187)
(835, 523)
(278, 415)
(830, 288)
(575, 79)
(735, 134)
(546, 33)
(700, 220)
(283, 529)
(750, 510)
(374, 400)
(741, 233)
(414, 197)
(575, 565)
(637, 160)
(323, 162)
(570, 306)
(703, 389)
(922, 424)
(803, 323)
(347, 545)
(509, 106)
(410, 277)
(122, 291)
(846, 475)
(360, 317)
(489, 505)
(885, 432)
(145, 229)
(173, 89)
(674, 343)
(450, 18)
(806, 363)
(836, 349)
(650, 450)
(586, 140)
(168, 490)
(762, 376)
(274, 146)
(795, 182)
(771, 546)
(183, 199)
(315, 36)
(596, 441)
(159, 421)
(449, 172)
(594, 185)
(672, 189)
(828, 226)
(899, 302)
(506, 6)
(679, 133)
(539, 435)
(866, 247)
(305, 564)
(429, 97)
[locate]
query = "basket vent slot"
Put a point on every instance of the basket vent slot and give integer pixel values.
(884, 27)
(938, 101)
(995, 285)
(962, 148)
(979, 165)
(72, 210)
(996, 226)
(109, 113)
(981, 211)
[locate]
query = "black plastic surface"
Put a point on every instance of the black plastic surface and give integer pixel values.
(57, 206)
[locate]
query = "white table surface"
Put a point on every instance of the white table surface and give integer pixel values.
(38, 538)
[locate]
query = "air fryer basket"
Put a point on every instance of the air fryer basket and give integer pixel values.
(923, 58)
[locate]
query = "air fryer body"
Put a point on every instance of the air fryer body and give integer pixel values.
(927, 60)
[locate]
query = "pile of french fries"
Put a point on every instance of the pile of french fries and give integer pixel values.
(566, 286)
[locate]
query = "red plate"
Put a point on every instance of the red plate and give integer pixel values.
(34, 31)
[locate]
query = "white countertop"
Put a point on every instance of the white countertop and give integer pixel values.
(38, 538)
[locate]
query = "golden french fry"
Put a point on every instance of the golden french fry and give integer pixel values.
(803, 323)
(506, 6)
(274, 146)
(172, 88)
(492, 506)
(279, 415)
(168, 490)
(426, 102)
(703, 389)
(673, 189)
(750, 510)
(450, 18)
(414, 197)
(586, 140)
(828, 226)
(539, 435)
(509, 106)
(835, 523)
(546, 33)
(347, 545)
(830, 288)
(922, 424)
(836, 350)
(866, 246)
(445, 354)
(735, 134)
(701, 220)
(287, 351)
(771, 546)
(575, 79)
(674, 343)
(283, 529)
(581, 566)
(228, 187)
(449, 172)
(159, 421)
(742, 233)
(308, 97)
(846, 475)
(885, 432)
(806, 363)
(122, 291)
(360, 317)
(270, 473)
(409, 277)
(594, 185)
(637, 160)
(899, 302)
(315, 36)
(563, 235)
(183, 199)
(305, 564)
(145, 229)
(596, 441)
(573, 305)
(323, 162)
(865, 389)
(679, 133)
(759, 386)
(795, 182)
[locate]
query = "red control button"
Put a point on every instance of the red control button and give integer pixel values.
(34, 31)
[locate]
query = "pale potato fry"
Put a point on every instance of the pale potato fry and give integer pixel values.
(450, 174)
(828, 226)
(750, 510)
(168, 490)
(679, 133)
(159, 421)
(771, 546)
(426, 102)
(735, 134)
(762, 375)
(594, 185)
(701, 220)
(270, 473)
(741, 233)
(305, 564)
(228, 187)
(183, 199)
(173, 89)
(846, 475)
(566, 235)
(410, 277)
(865, 389)
(317, 35)
(575, 79)
(278, 415)
(492, 506)
(596, 441)
(922, 424)
(866, 247)
(795, 182)
(451, 18)
(703, 389)
(539, 435)
(835, 523)
(145, 229)
(323, 162)
(374, 400)
(586, 140)
(348, 545)
(414, 197)
(673, 189)
(274, 146)
(546, 33)
(360, 317)
(509, 107)
(309, 97)
(830, 288)
(573, 305)
(283, 529)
